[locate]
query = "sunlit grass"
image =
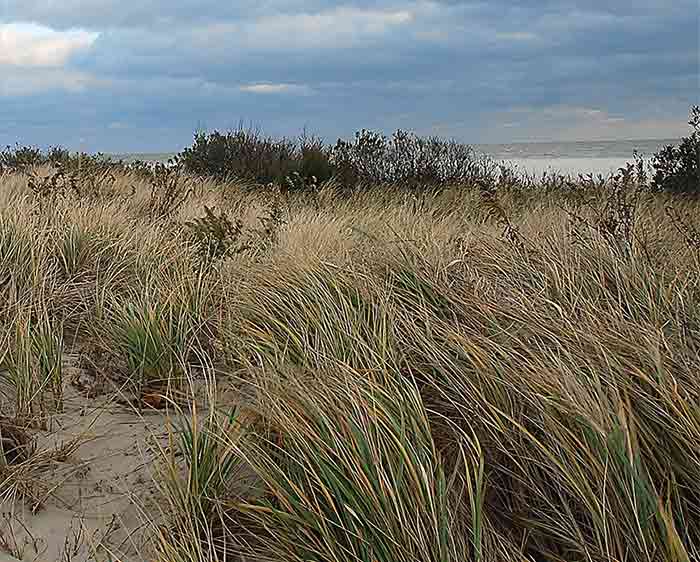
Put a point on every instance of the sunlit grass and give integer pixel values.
(418, 376)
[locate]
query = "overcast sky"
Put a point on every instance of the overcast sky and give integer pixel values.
(143, 75)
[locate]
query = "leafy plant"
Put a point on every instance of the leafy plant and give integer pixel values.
(216, 235)
(677, 168)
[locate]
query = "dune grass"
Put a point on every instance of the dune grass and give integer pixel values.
(440, 376)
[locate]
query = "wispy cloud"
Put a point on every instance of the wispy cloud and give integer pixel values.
(569, 123)
(337, 28)
(30, 45)
(296, 89)
(517, 36)
(22, 83)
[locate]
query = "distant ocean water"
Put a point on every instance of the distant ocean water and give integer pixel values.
(583, 157)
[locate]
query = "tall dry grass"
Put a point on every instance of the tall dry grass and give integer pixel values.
(441, 376)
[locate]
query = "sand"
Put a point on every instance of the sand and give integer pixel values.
(89, 506)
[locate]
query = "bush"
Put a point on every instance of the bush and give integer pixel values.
(21, 157)
(677, 168)
(245, 154)
(406, 160)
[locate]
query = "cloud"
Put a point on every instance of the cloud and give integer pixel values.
(30, 45)
(517, 36)
(21, 83)
(581, 68)
(276, 89)
(341, 27)
(567, 123)
(147, 14)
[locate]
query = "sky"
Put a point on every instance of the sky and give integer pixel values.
(144, 75)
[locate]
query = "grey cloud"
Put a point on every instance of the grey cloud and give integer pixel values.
(157, 69)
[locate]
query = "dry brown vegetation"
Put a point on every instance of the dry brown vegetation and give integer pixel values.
(229, 373)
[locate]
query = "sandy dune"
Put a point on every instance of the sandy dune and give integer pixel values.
(86, 507)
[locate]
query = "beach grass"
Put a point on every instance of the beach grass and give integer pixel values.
(378, 375)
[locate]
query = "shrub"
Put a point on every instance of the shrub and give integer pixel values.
(216, 235)
(677, 168)
(315, 160)
(245, 154)
(20, 157)
(404, 159)
(407, 160)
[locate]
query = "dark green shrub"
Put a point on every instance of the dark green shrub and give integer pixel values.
(315, 162)
(404, 159)
(245, 154)
(21, 157)
(407, 160)
(677, 168)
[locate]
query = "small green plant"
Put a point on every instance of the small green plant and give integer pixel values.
(151, 341)
(216, 235)
(271, 221)
(170, 189)
(199, 475)
(33, 369)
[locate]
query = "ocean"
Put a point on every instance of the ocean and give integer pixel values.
(582, 157)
